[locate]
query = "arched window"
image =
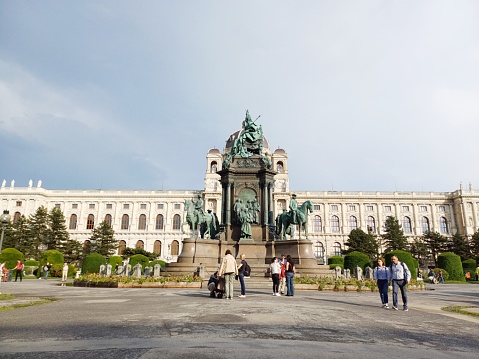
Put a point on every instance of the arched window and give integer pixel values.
(157, 247)
(73, 222)
(121, 247)
(214, 167)
(319, 250)
(406, 225)
(353, 223)
(90, 222)
(371, 223)
(336, 249)
(334, 224)
(140, 244)
(16, 217)
(176, 221)
(425, 225)
(142, 222)
(86, 247)
(159, 221)
(443, 225)
(175, 248)
(279, 167)
(108, 219)
(125, 221)
(317, 224)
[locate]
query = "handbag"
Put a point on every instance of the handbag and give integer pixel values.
(236, 277)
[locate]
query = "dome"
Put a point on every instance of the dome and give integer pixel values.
(230, 141)
(279, 151)
(214, 151)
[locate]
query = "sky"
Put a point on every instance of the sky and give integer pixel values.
(131, 95)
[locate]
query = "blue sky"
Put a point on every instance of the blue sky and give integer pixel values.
(362, 95)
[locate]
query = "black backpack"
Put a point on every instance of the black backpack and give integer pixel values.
(247, 270)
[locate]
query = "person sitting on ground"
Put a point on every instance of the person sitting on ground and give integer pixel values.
(432, 277)
(213, 284)
(440, 277)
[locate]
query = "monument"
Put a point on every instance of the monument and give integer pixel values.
(248, 223)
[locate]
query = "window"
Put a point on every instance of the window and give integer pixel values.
(176, 222)
(214, 167)
(57, 205)
(369, 208)
(159, 222)
(157, 247)
(371, 223)
(177, 206)
(317, 224)
(125, 221)
(19, 203)
(140, 244)
(406, 225)
(441, 209)
(423, 208)
(142, 222)
(319, 250)
(405, 208)
(336, 249)
(279, 167)
(91, 206)
(353, 223)
(160, 206)
(108, 219)
(387, 208)
(90, 222)
(335, 224)
(175, 248)
(74, 206)
(351, 207)
(317, 207)
(109, 206)
(126, 206)
(16, 217)
(121, 247)
(334, 207)
(73, 222)
(443, 225)
(425, 225)
(143, 206)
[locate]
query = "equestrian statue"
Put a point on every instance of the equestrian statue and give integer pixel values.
(297, 215)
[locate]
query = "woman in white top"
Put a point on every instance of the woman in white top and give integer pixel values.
(275, 268)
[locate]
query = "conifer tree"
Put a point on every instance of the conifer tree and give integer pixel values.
(363, 242)
(58, 234)
(103, 240)
(436, 243)
(38, 232)
(394, 237)
(460, 246)
(475, 244)
(419, 250)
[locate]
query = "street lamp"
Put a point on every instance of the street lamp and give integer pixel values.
(5, 219)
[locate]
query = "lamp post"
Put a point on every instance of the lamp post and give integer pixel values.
(5, 219)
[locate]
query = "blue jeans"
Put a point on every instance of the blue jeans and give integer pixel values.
(399, 284)
(46, 274)
(290, 283)
(241, 279)
(383, 290)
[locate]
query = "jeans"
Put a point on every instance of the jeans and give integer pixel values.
(241, 280)
(399, 284)
(290, 283)
(46, 274)
(383, 290)
(229, 277)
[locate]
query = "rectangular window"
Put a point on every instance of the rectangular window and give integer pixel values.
(19, 203)
(91, 206)
(334, 207)
(423, 208)
(369, 208)
(109, 206)
(57, 205)
(160, 206)
(405, 208)
(74, 205)
(126, 206)
(387, 208)
(317, 207)
(441, 209)
(177, 206)
(351, 207)
(143, 206)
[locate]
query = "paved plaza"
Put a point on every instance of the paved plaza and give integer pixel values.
(186, 323)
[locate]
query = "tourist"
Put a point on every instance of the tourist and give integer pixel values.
(282, 276)
(65, 272)
(381, 276)
(477, 273)
(228, 270)
(400, 276)
(47, 269)
(213, 284)
(289, 276)
(241, 274)
(4, 272)
(432, 277)
(275, 269)
(440, 277)
(18, 270)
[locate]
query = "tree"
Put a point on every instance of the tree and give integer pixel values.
(128, 252)
(475, 244)
(436, 244)
(73, 251)
(394, 237)
(58, 234)
(103, 240)
(460, 246)
(363, 242)
(38, 231)
(418, 249)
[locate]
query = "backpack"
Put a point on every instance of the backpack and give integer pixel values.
(45, 268)
(247, 270)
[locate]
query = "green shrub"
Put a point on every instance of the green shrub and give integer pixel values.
(92, 263)
(10, 256)
(334, 265)
(336, 260)
(405, 257)
(113, 260)
(31, 263)
(469, 265)
(353, 259)
(139, 258)
(452, 264)
(158, 261)
(52, 256)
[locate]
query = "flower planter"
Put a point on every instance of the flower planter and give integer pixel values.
(306, 287)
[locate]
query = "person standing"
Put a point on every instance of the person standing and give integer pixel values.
(400, 276)
(65, 272)
(19, 270)
(275, 268)
(241, 269)
(228, 270)
(47, 269)
(477, 273)
(289, 276)
(282, 276)
(382, 276)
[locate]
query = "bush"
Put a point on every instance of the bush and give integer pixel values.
(139, 258)
(158, 261)
(31, 263)
(353, 259)
(92, 263)
(336, 260)
(334, 265)
(405, 257)
(469, 265)
(452, 264)
(10, 256)
(113, 260)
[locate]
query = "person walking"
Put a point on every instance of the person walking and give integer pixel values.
(241, 269)
(289, 276)
(19, 270)
(382, 276)
(228, 270)
(400, 276)
(47, 269)
(65, 272)
(275, 269)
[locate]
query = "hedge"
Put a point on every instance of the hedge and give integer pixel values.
(469, 265)
(336, 260)
(353, 259)
(452, 264)
(10, 256)
(405, 257)
(334, 265)
(158, 261)
(92, 263)
(139, 258)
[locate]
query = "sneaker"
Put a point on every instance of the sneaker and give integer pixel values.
(406, 309)
(395, 308)
(386, 306)
(278, 295)
(241, 296)
(383, 306)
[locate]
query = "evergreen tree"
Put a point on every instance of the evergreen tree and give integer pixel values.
(38, 232)
(73, 251)
(360, 241)
(103, 240)
(19, 234)
(394, 237)
(475, 244)
(436, 244)
(58, 234)
(460, 246)
(419, 250)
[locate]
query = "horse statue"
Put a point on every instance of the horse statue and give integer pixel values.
(194, 217)
(283, 221)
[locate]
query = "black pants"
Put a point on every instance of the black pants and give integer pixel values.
(18, 271)
(275, 278)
